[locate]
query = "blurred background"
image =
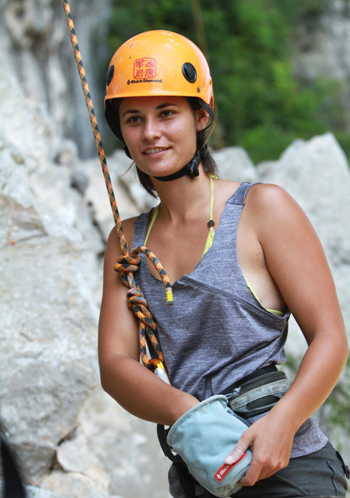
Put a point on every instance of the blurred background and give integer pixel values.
(281, 70)
(281, 74)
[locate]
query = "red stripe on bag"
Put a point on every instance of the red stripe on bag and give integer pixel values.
(221, 473)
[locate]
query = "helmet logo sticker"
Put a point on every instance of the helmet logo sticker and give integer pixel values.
(145, 71)
(145, 68)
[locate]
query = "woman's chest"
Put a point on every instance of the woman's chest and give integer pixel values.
(178, 250)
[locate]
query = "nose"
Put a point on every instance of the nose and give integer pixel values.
(151, 129)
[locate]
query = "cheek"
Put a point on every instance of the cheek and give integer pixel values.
(131, 137)
(185, 131)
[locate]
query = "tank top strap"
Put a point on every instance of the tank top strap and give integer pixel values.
(240, 194)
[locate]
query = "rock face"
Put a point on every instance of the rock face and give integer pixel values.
(37, 41)
(48, 320)
(54, 220)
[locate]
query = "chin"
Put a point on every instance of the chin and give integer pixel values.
(165, 171)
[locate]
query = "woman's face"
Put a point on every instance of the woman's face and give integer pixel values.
(160, 132)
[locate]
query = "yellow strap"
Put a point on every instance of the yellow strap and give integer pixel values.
(275, 312)
(211, 197)
(209, 241)
(154, 217)
(210, 238)
(211, 234)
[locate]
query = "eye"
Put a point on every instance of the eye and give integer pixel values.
(166, 113)
(134, 119)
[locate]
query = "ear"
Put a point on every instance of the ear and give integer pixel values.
(202, 119)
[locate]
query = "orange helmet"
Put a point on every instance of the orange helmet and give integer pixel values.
(158, 63)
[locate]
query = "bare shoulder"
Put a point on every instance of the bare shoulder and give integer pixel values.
(269, 205)
(113, 244)
(268, 195)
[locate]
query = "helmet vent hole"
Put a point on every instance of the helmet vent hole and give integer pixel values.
(189, 72)
(110, 74)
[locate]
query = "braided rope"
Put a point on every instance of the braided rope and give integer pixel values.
(126, 264)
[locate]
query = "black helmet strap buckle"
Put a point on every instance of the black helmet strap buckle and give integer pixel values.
(191, 169)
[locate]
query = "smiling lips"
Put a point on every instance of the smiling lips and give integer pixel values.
(155, 150)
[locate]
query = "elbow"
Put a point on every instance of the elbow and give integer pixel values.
(105, 375)
(112, 376)
(105, 379)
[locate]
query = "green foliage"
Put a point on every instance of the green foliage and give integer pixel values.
(261, 105)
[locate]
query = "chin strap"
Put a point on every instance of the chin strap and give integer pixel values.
(191, 169)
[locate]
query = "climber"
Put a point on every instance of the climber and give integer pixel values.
(241, 259)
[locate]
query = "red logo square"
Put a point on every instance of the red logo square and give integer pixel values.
(145, 68)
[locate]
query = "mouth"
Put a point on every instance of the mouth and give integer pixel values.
(155, 150)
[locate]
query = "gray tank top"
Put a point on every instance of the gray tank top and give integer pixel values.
(217, 332)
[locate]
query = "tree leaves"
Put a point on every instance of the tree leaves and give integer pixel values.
(261, 104)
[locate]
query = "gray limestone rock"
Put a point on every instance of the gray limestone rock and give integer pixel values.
(235, 164)
(130, 196)
(48, 354)
(48, 272)
(34, 492)
(74, 455)
(126, 448)
(72, 485)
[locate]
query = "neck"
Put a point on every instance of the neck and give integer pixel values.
(179, 198)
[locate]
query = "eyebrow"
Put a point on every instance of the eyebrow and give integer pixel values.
(160, 106)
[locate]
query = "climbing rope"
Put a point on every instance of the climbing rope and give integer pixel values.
(127, 263)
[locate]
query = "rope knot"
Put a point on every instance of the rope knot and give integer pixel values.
(126, 264)
(138, 304)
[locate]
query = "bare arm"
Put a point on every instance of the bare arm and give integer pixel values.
(134, 387)
(297, 263)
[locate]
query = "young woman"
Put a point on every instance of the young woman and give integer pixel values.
(240, 258)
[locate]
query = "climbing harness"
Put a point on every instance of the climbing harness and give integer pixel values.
(127, 263)
(258, 392)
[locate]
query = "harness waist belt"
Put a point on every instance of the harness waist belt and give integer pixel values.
(256, 395)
